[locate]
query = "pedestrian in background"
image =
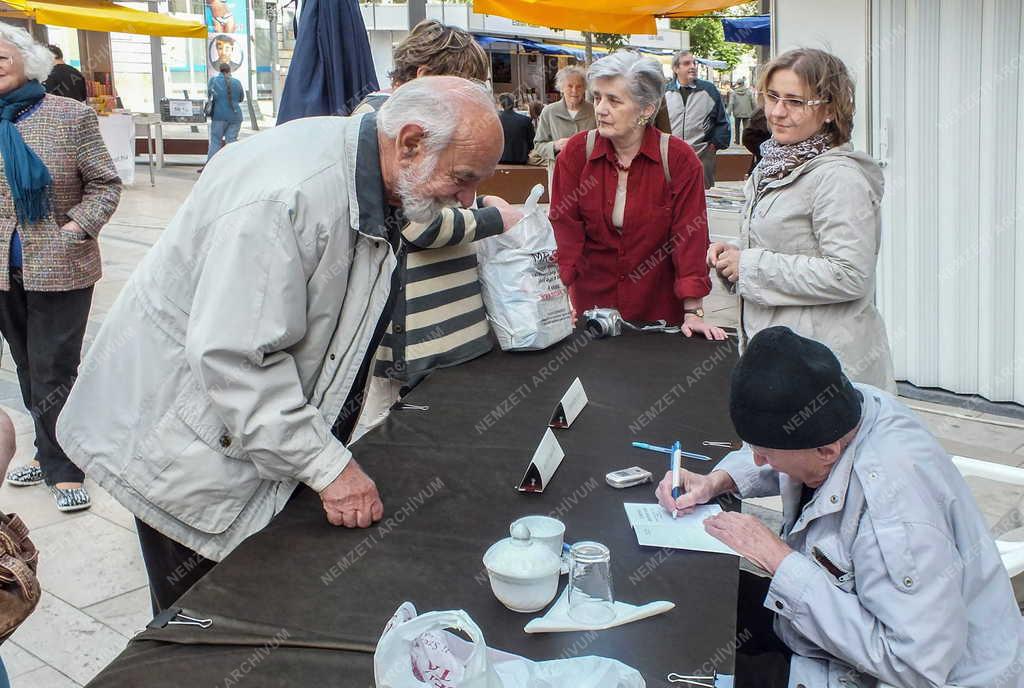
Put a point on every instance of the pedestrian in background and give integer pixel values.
(58, 190)
(754, 134)
(696, 113)
(64, 80)
(563, 119)
(227, 94)
(518, 131)
(741, 107)
(811, 225)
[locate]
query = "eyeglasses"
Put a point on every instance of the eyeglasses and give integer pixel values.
(792, 104)
(6, 60)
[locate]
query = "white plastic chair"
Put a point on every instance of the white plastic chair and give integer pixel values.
(1011, 552)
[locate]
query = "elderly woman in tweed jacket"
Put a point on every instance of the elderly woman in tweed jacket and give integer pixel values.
(58, 188)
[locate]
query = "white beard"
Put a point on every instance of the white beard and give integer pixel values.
(416, 206)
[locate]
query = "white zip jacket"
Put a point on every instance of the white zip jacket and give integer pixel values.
(212, 387)
(809, 252)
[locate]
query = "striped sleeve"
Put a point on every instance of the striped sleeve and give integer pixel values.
(454, 226)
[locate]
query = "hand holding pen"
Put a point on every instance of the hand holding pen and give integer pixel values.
(694, 489)
(674, 466)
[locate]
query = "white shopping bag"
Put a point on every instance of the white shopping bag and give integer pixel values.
(526, 302)
(418, 652)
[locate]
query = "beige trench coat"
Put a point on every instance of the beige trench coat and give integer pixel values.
(555, 123)
(809, 250)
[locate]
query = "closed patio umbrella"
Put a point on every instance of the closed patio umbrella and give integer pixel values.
(332, 68)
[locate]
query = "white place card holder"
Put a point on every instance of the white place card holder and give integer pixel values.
(545, 462)
(570, 406)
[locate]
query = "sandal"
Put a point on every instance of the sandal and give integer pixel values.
(26, 475)
(74, 499)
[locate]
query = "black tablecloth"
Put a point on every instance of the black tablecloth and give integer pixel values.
(320, 595)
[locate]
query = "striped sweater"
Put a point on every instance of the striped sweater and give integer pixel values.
(439, 318)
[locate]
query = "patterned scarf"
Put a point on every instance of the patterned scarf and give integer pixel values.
(778, 160)
(27, 176)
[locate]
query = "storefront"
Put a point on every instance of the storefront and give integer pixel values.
(82, 28)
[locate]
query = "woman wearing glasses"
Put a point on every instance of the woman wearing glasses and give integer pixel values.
(811, 224)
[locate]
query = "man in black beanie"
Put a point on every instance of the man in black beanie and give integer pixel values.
(885, 568)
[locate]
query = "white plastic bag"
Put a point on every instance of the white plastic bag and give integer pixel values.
(417, 652)
(526, 302)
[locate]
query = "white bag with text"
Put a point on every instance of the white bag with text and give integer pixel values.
(526, 302)
(418, 651)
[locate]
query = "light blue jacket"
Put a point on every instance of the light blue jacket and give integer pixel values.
(894, 575)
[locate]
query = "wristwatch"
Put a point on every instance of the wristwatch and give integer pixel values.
(699, 312)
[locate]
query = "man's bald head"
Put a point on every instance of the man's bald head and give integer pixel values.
(440, 137)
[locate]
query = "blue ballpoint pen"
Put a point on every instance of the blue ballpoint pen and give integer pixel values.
(668, 450)
(674, 465)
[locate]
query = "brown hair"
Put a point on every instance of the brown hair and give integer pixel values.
(443, 50)
(827, 78)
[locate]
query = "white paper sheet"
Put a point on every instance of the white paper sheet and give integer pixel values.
(655, 527)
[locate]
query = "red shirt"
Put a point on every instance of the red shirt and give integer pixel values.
(658, 258)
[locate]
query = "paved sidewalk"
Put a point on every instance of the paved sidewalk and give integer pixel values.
(95, 596)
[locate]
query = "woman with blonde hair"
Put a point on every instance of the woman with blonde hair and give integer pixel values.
(811, 226)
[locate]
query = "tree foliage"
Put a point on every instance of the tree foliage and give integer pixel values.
(611, 41)
(707, 38)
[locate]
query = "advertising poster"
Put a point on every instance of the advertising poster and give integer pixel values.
(227, 23)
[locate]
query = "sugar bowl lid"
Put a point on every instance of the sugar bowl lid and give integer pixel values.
(520, 556)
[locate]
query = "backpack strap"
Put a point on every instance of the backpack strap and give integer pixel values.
(664, 158)
(591, 141)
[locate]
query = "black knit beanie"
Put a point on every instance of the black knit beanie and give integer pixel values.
(789, 392)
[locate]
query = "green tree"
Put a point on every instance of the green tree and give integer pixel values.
(611, 41)
(707, 38)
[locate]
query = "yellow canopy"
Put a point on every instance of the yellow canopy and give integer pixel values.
(102, 15)
(603, 16)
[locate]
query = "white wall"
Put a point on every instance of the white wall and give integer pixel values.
(838, 26)
(950, 283)
(381, 43)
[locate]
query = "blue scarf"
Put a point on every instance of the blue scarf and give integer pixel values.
(27, 176)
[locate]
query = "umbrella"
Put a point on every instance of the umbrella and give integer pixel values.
(332, 68)
(603, 16)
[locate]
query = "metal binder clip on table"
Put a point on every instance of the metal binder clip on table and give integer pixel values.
(716, 680)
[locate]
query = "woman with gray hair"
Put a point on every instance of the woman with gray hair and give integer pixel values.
(58, 189)
(563, 119)
(627, 205)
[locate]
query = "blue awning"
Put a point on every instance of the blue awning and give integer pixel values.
(750, 30)
(714, 64)
(526, 44)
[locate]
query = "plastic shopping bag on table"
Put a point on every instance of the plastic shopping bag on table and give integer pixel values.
(526, 302)
(418, 652)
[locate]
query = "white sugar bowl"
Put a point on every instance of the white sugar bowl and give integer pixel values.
(524, 572)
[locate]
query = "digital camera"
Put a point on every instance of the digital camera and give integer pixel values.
(603, 322)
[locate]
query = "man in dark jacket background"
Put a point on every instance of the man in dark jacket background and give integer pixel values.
(64, 80)
(696, 113)
(518, 132)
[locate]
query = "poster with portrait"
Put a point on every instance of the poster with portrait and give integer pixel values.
(227, 24)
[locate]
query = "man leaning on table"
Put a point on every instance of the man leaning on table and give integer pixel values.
(232, 365)
(885, 568)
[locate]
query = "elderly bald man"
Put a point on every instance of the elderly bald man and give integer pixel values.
(231, 367)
